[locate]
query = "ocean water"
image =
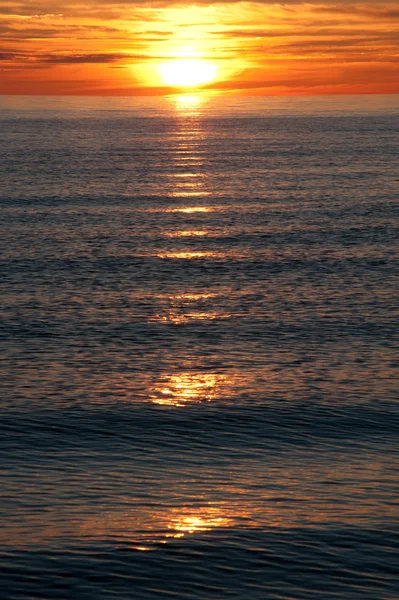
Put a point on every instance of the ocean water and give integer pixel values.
(199, 348)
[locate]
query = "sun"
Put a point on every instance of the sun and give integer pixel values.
(190, 72)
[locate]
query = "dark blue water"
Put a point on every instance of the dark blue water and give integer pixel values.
(199, 348)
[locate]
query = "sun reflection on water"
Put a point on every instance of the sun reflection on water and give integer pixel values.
(191, 296)
(188, 104)
(187, 178)
(188, 186)
(288, 497)
(191, 209)
(185, 254)
(186, 233)
(183, 308)
(178, 317)
(204, 519)
(186, 194)
(186, 388)
(183, 175)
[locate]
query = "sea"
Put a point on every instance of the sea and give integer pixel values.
(199, 343)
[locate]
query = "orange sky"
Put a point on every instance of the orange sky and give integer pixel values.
(117, 47)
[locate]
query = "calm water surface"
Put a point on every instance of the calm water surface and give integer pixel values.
(199, 348)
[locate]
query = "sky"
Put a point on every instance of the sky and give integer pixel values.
(116, 47)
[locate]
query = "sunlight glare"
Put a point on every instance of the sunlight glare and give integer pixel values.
(188, 72)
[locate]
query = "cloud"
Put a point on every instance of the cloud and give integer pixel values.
(72, 59)
(384, 12)
(7, 56)
(47, 16)
(332, 44)
(10, 31)
(307, 31)
(95, 58)
(92, 58)
(51, 8)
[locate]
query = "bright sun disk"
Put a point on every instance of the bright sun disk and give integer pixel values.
(187, 72)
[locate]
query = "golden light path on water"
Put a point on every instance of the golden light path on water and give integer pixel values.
(188, 181)
(179, 316)
(183, 388)
(184, 254)
(144, 528)
(183, 308)
(187, 233)
(187, 176)
(192, 209)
